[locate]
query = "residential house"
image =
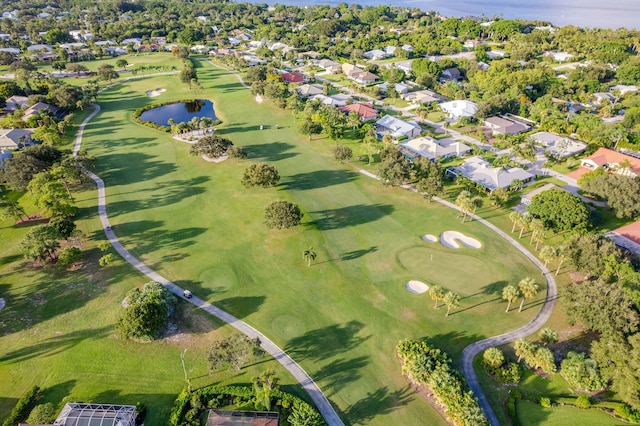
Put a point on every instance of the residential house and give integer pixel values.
(433, 149)
(39, 48)
(329, 66)
(450, 74)
(5, 155)
(480, 171)
(397, 128)
(293, 77)
(337, 100)
(36, 108)
(621, 88)
(307, 90)
(626, 237)
(559, 146)
(200, 49)
(311, 54)
(407, 48)
(11, 139)
(135, 41)
(471, 44)
(501, 125)
(612, 161)
(15, 102)
(390, 51)
(497, 54)
(103, 43)
(5, 37)
(400, 88)
(404, 66)
(559, 56)
(459, 109)
(364, 77)
(426, 97)
(600, 97)
(350, 69)
(375, 54)
(12, 50)
(365, 111)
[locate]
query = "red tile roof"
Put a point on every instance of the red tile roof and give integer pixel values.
(605, 156)
(630, 232)
(365, 111)
(293, 77)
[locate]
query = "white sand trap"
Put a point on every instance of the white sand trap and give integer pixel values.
(156, 92)
(430, 238)
(215, 160)
(450, 239)
(416, 287)
(259, 99)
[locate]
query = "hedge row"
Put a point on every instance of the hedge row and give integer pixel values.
(430, 366)
(23, 407)
(189, 406)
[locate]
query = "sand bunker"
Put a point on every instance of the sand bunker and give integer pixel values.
(416, 287)
(156, 92)
(430, 238)
(259, 99)
(215, 160)
(450, 239)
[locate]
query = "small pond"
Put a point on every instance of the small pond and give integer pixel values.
(181, 112)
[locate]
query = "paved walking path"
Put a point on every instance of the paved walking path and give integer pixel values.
(470, 352)
(319, 399)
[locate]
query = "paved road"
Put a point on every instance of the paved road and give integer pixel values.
(470, 352)
(319, 399)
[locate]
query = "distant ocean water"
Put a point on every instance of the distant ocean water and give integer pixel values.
(582, 13)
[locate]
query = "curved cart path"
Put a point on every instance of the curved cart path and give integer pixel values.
(470, 352)
(319, 399)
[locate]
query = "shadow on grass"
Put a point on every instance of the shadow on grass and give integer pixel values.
(326, 342)
(318, 179)
(54, 345)
(273, 151)
(339, 373)
(345, 217)
(240, 307)
(58, 392)
(130, 167)
(378, 403)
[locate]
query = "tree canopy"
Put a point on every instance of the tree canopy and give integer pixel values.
(260, 174)
(282, 215)
(146, 313)
(560, 210)
(622, 193)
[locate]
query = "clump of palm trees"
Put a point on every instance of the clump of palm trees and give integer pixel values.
(450, 298)
(199, 126)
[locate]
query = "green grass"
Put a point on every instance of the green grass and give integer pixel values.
(194, 223)
(436, 116)
(530, 414)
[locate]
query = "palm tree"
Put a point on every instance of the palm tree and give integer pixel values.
(548, 253)
(529, 288)
(524, 349)
(514, 216)
(476, 202)
(536, 225)
(510, 293)
(436, 292)
(560, 257)
(452, 300)
(464, 202)
(387, 139)
(525, 220)
(309, 255)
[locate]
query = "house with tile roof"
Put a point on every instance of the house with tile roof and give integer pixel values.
(397, 128)
(480, 171)
(433, 149)
(612, 161)
(365, 111)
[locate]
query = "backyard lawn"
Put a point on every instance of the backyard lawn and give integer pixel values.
(195, 224)
(531, 414)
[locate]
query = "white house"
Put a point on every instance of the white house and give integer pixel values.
(621, 88)
(600, 97)
(500, 125)
(306, 90)
(559, 146)
(426, 97)
(375, 54)
(397, 128)
(459, 109)
(497, 54)
(399, 87)
(337, 100)
(434, 149)
(560, 56)
(480, 171)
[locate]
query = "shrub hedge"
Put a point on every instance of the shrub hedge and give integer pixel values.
(23, 407)
(189, 406)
